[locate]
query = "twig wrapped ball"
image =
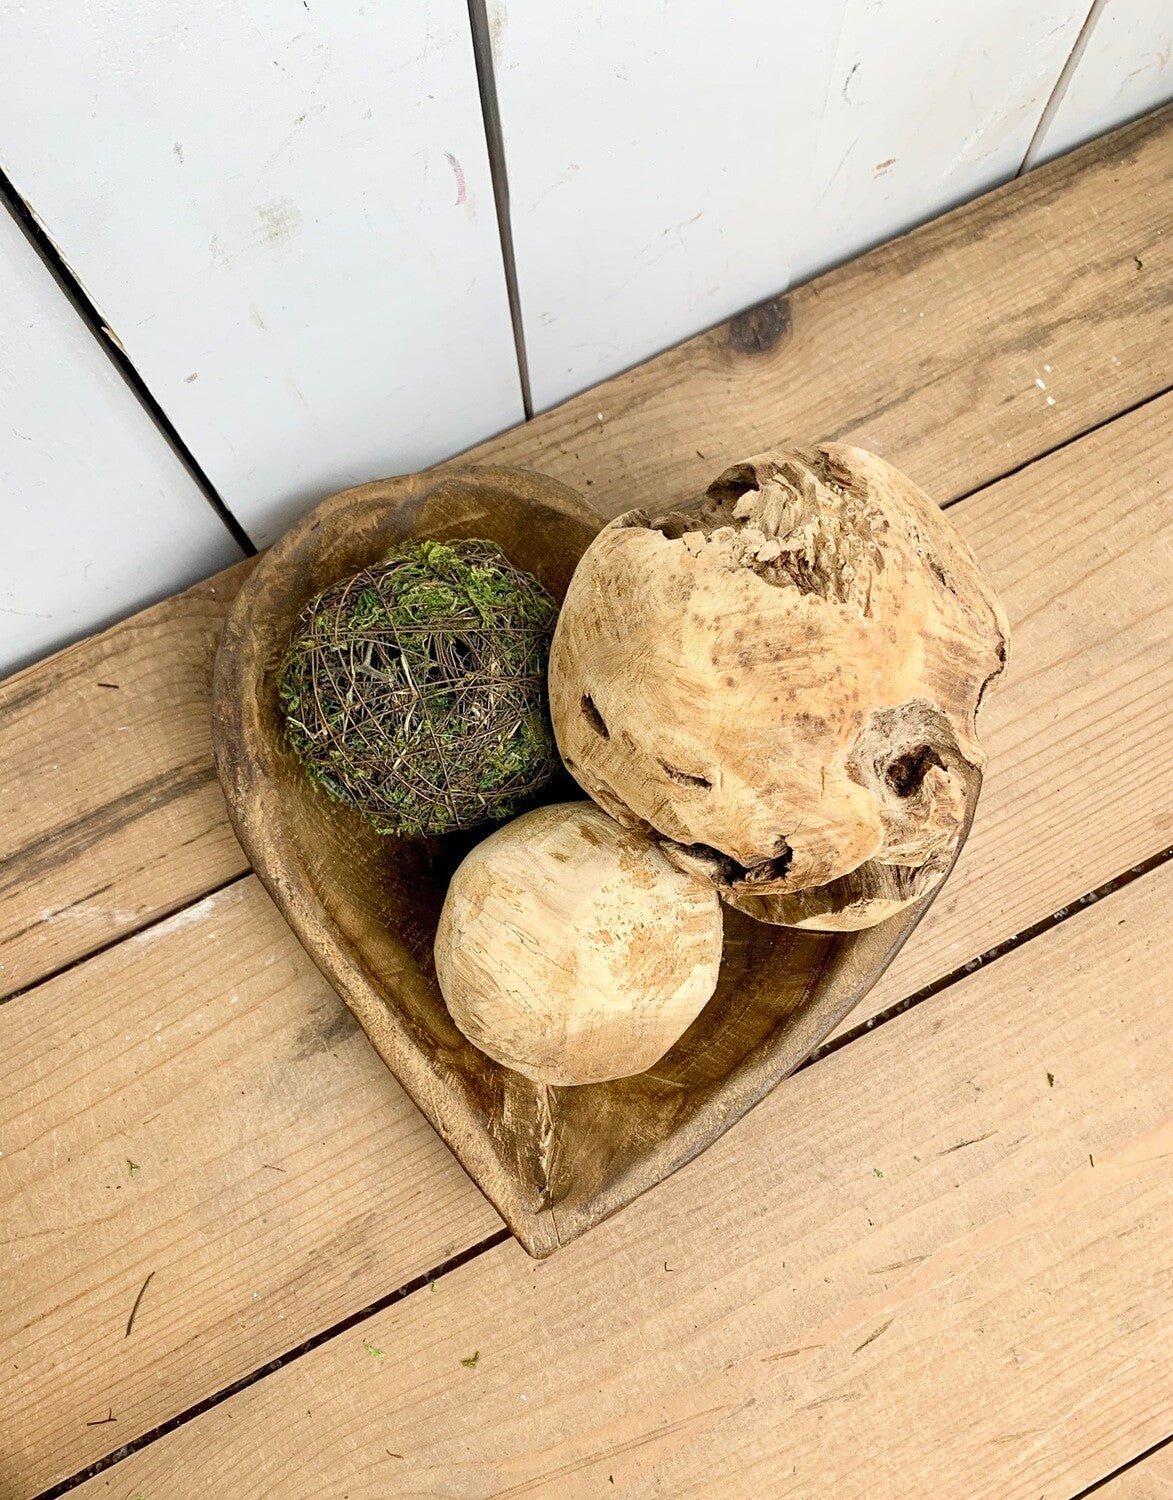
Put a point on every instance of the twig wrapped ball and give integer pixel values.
(572, 951)
(415, 691)
(781, 684)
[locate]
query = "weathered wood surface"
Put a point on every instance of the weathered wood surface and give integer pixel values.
(112, 812)
(1151, 1479)
(965, 1295)
(281, 1179)
(1041, 273)
(369, 1197)
(723, 708)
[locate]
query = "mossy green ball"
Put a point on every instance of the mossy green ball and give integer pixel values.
(416, 690)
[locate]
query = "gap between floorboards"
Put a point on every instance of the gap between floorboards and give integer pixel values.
(124, 937)
(307, 1346)
(1124, 1468)
(1067, 442)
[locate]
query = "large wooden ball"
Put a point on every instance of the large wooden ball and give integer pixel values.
(780, 684)
(571, 950)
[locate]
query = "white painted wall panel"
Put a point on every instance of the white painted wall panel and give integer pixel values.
(931, 104)
(659, 162)
(283, 209)
(671, 164)
(1123, 71)
(97, 515)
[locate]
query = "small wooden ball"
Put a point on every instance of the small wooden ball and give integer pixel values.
(572, 950)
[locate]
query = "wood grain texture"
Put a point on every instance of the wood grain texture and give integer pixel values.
(194, 1103)
(780, 685)
(112, 812)
(284, 212)
(203, 1141)
(616, 950)
(926, 351)
(938, 386)
(99, 515)
(1122, 71)
(1151, 1479)
(962, 1297)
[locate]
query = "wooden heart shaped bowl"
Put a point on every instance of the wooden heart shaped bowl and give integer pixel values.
(554, 1161)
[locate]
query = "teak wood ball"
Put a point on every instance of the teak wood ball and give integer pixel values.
(780, 684)
(572, 951)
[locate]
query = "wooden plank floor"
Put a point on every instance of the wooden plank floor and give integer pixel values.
(185, 1098)
(213, 1025)
(969, 1288)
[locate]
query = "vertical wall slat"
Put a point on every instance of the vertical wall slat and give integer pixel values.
(671, 164)
(930, 105)
(659, 166)
(1125, 69)
(98, 517)
(283, 210)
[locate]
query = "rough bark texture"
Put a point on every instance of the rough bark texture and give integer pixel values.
(781, 684)
(572, 951)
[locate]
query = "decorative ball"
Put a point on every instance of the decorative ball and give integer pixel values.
(572, 951)
(780, 685)
(416, 690)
